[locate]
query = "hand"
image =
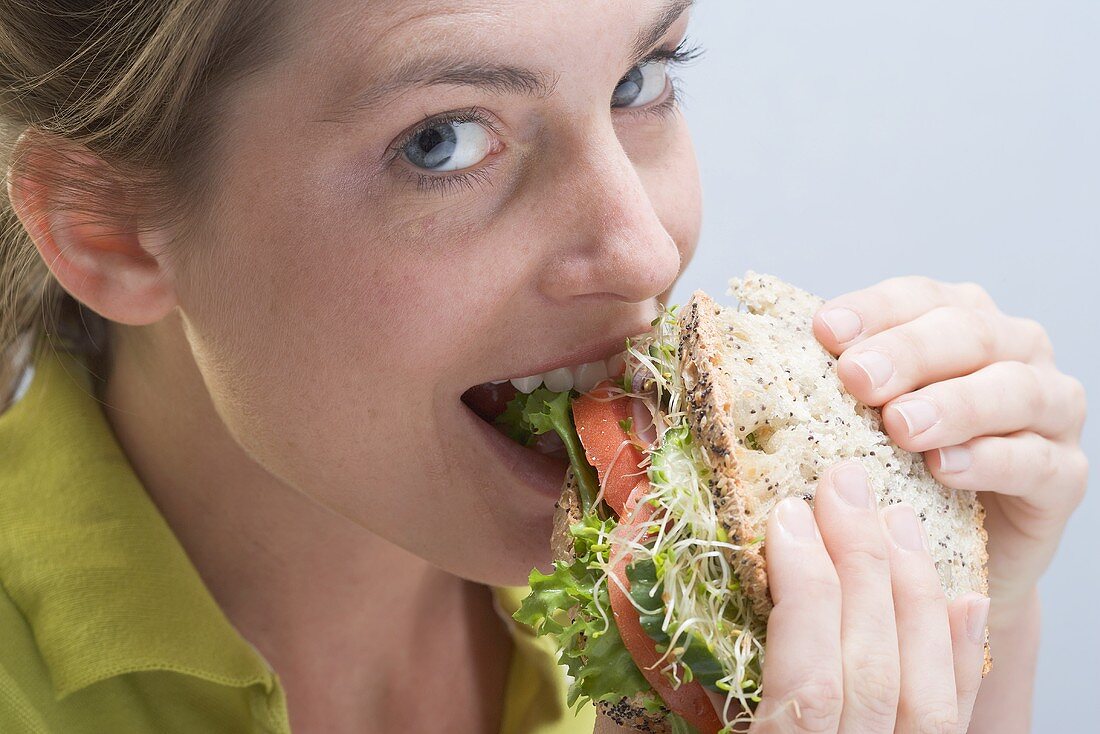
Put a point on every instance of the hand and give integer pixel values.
(861, 637)
(978, 393)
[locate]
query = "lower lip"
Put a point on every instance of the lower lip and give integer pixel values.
(543, 474)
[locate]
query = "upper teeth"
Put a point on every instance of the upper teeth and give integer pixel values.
(559, 380)
(581, 378)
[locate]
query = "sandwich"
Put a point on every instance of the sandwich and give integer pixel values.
(658, 595)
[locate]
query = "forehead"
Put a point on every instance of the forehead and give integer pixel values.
(391, 24)
(354, 44)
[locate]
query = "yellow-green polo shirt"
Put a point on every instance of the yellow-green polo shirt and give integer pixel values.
(106, 626)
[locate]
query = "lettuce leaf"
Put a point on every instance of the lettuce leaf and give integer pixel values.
(697, 659)
(591, 648)
(529, 415)
(679, 725)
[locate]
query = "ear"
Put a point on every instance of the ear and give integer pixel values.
(93, 248)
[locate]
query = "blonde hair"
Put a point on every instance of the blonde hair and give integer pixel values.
(138, 83)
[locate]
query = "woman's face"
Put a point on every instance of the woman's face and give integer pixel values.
(423, 197)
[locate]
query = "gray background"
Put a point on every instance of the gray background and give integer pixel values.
(844, 142)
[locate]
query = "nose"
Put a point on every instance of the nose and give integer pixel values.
(610, 241)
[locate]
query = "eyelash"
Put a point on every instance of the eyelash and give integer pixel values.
(682, 54)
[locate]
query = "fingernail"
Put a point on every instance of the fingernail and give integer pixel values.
(850, 481)
(844, 323)
(919, 415)
(796, 518)
(877, 366)
(954, 458)
(977, 612)
(904, 527)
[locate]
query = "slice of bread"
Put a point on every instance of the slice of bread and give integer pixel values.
(567, 512)
(762, 371)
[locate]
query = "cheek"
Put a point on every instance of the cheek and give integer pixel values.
(325, 300)
(327, 263)
(323, 352)
(329, 317)
(375, 291)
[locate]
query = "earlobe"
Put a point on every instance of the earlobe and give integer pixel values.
(95, 252)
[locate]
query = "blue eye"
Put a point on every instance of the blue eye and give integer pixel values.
(642, 85)
(447, 145)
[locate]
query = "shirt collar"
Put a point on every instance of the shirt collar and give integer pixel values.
(87, 557)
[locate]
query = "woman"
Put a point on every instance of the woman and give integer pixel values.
(304, 231)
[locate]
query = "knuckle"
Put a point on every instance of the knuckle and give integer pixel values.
(912, 349)
(877, 689)
(1037, 336)
(1079, 476)
(960, 406)
(909, 282)
(1048, 465)
(981, 327)
(820, 699)
(876, 300)
(924, 282)
(865, 556)
(1017, 383)
(1000, 457)
(1034, 392)
(821, 588)
(987, 331)
(975, 295)
(1011, 457)
(1077, 401)
(921, 588)
(890, 293)
(938, 718)
(812, 584)
(1078, 393)
(930, 595)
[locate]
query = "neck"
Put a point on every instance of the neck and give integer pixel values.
(344, 617)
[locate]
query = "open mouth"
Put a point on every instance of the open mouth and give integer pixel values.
(489, 399)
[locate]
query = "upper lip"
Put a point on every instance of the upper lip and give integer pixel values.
(598, 350)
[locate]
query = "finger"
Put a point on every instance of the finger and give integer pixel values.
(927, 699)
(946, 342)
(853, 317)
(968, 615)
(803, 684)
(847, 516)
(1002, 398)
(1051, 474)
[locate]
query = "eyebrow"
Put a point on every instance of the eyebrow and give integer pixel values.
(501, 78)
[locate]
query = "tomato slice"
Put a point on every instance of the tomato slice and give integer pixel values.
(690, 700)
(599, 427)
(598, 422)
